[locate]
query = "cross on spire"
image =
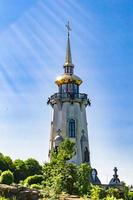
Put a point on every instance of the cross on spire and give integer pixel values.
(68, 27)
(115, 170)
(68, 60)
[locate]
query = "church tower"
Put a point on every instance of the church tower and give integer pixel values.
(69, 110)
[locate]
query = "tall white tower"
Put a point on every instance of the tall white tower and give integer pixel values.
(69, 111)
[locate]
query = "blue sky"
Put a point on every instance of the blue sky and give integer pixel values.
(32, 53)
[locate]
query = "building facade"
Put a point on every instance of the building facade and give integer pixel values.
(69, 111)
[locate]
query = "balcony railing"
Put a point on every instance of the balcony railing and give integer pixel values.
(81, 96)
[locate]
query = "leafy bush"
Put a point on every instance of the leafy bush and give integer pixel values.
(83, 182)
(50, 194)
(95, 192)
(7, 177)
(130, 195)
(5, 163)
(33, 167)
(36, 186)
(110, 198)
(36, 179)
(3, 198)
(20, 170)
(113, 192)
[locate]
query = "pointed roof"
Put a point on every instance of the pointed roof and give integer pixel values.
(115, 180)
(68, 60)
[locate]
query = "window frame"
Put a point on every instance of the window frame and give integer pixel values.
(72, 128)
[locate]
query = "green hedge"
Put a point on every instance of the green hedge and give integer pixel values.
(6, 177)
(36, 179)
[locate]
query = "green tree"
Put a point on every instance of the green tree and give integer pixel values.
(95, 192)
(33, 167)
(7, 177)
(115, 192)
(65, 179)
(35, 179)
(20, 170)
(47, 173)
(9, 163)
(5, 163)
(83, 182)
(59, 174)
(130, 195)
(69, 178)
(65, 152)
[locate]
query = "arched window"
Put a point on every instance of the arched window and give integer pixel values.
(72, 128)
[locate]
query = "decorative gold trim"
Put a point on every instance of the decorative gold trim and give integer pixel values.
(67, 78)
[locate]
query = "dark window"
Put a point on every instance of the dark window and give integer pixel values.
(64, 88)
(69, 70)
(70, 88)
(76, 89)
(72, 128)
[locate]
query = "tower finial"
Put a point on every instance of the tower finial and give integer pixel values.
(68, 61)
(68, 27)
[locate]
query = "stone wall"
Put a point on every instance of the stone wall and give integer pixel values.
(19, 192)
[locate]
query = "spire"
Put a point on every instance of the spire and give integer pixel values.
(68, 60)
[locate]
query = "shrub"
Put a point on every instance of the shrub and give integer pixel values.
(20, 170)
(110, 198)
(3, 198)
(130, 195)
(83, 182)
(5, 163)
(49, 193)
(36, 179)
(7, 177)
(115, 192)
(36, 186)
(95, 192)
(33, 167)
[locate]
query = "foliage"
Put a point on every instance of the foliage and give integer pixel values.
(20, 170)
(33, 167)
(59, 174)
(7, 177)
(110, 198)
(113, 192)
(65, 152)
(5, 163)
(9, 163)
(130, 195)
(118, 193)
(95, 192)
(36, 179)
(49, 193)
(36, 186)
(83, 181)
(3, 198)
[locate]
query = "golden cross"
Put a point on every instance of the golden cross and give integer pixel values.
(68, 27)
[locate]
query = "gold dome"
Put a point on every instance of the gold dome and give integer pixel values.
(67, 78)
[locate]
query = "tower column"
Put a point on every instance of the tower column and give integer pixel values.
(69, 110)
